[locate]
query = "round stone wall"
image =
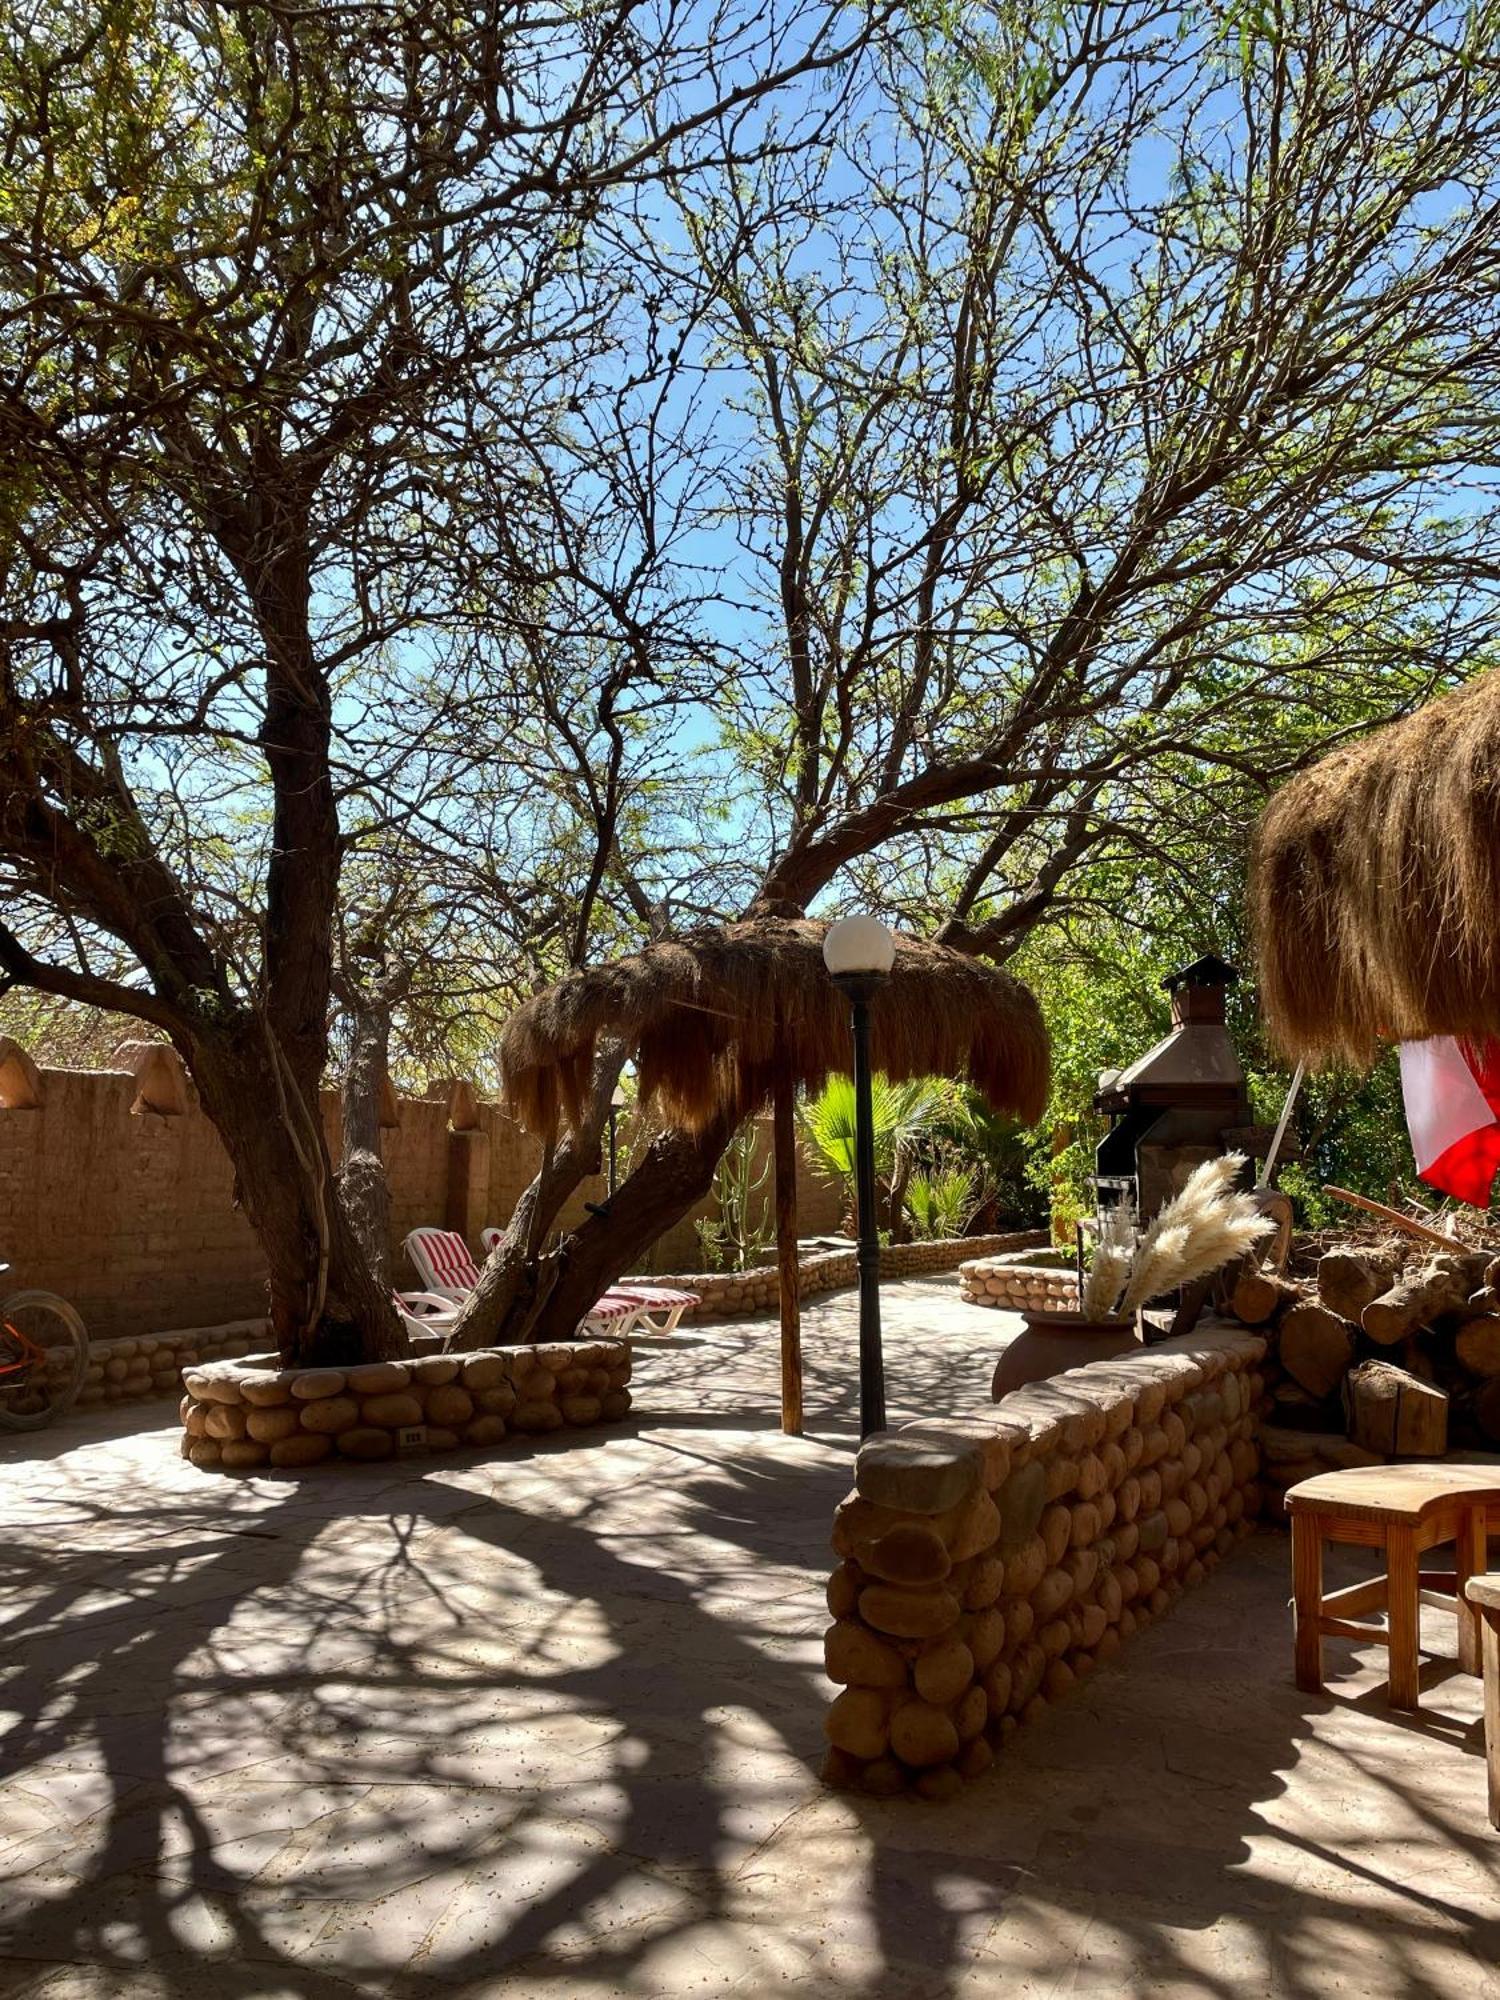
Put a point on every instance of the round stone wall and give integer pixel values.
(1015, 1287)
(989, 1564)
(246, 1416)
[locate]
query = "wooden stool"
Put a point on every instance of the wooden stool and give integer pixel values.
(1402, 1509)
(1484, 1594)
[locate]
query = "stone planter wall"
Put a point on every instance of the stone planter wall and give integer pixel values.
(1292, 1456)
(132, 1370)
(246, 1416)
(989, 1565)
(1016, 1287)
(736, 1294)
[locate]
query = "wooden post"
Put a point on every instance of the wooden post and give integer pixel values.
(785, 1150)
(466, 1207)
(1403, 1608)
(1307, 1600)
(1490, 1640)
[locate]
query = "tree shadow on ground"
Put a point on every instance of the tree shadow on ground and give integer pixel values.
(549, 1724)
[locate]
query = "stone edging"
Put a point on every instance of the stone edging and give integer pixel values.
(735, 1294)
(251, 1415)
(1014, 1287)
(130, 1370)
(988, 1564)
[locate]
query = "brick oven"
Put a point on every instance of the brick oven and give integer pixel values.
(1182, 1102)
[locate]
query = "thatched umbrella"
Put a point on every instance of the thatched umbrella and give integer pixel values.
(712, 1017)
(1376, 885)
(727, 1020)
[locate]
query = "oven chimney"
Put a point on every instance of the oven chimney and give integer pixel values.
(1182, 1102)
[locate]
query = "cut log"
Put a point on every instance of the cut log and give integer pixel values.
(1393, 1412)
(1478, 1345)
(1440, 1286)
(1416, 1357)
(1349, 1279)
(1258, 1296)
(1486, 1409)
(1294, 1410)
(1316, 1348)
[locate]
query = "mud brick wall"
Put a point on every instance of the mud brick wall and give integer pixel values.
(988, 1565)
(128, 1211)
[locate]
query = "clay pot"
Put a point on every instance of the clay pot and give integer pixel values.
(1055, 1341)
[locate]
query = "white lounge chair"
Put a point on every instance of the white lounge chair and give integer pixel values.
(442, 1261)
(433, 1312)
(662, 1306)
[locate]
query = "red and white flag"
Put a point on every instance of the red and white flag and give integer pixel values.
(1452, 1093)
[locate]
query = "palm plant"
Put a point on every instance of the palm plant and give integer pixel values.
(941, 1201)
(900, 1113)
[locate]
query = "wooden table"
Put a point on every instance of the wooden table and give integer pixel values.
(1404, 1510)
(1483, 1593)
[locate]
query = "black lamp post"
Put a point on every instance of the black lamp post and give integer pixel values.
(859, 953)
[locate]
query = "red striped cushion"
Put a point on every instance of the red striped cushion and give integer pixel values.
(612, 1305)
(448, 1254)
(659, 1296)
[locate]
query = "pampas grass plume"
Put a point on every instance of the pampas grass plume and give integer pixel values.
(1207, 1226)
(1110, 1269)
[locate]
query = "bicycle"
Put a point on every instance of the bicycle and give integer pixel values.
(44, 1355)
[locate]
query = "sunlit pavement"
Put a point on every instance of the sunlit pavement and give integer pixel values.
(548, 1723)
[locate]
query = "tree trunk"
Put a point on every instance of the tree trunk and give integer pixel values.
(676, 1172)
(325, 1302)
(363, 1185)
(516, 1277)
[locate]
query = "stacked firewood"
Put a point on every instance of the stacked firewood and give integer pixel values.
(1384, 1350)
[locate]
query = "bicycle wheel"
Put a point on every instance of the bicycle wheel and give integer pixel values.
(44, 1355)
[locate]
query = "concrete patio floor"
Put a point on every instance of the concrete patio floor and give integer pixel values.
(548, 1724)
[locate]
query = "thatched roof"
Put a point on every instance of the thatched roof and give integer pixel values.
(1376, 885)
(700, 1017)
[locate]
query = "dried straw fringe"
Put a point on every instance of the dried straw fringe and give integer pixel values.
(1375, 883)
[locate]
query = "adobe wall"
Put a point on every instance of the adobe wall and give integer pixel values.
(128, 1210)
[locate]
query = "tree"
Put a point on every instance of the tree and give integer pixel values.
(289, 301)
(1114, 394)
(956, 461)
